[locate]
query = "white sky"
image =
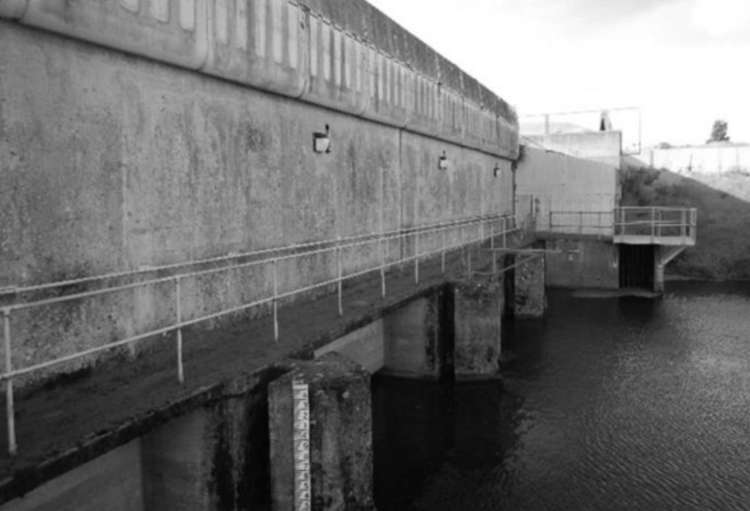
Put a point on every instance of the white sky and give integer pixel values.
(684, 62)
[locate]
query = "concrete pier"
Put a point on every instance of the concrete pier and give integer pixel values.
(530, 299)
(479, 304)
(321, 437)
(416, 339)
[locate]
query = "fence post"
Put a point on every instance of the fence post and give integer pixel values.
(276, 299)
(178, 310)
(9, 404)
(505, 231)
(339, 280)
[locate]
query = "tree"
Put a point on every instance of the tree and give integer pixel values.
(719, 132)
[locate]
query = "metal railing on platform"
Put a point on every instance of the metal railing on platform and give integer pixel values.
(652, 223)
(414, 245)
(656, 222)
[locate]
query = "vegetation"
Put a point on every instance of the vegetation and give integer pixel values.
(720, 132)
(723, 202)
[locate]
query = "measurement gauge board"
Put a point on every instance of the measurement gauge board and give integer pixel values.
(301, 439)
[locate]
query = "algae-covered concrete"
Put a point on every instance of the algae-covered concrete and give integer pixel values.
(479, 304)
(529, 296)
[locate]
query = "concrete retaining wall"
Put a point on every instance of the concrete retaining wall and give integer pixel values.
(582, 264)
(561, 183)
(112, 162)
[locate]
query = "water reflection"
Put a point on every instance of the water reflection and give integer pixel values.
(607, 404)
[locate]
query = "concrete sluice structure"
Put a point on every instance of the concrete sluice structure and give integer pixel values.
(201, 202)
(218, 220)
(592, 240)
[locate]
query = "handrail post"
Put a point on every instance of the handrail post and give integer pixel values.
(276, 299)
(505, 231)
(660, 221)
(683, 223)
(9, 404)
(340, 278)
(416, 257)
(580, 222)
(178, 311)
(492, 235)
(382, 265)
(653, 223)
(442, 253)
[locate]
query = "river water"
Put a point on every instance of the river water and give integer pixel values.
(606, 404)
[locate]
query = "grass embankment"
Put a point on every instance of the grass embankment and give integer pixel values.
(723, 202)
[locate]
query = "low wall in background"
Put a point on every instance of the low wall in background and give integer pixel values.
(705, 159)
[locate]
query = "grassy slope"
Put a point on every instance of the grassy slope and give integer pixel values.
(723, 202)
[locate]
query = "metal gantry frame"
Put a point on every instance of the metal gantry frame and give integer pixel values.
(468, 231)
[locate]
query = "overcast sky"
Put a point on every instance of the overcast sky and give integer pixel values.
(684, 62)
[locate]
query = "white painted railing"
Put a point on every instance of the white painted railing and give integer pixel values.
(629, 223)
(439, 239)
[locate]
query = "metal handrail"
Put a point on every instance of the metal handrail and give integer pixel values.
(507, 224)
(14, 290)
(658, 218)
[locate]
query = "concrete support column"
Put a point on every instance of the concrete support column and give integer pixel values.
(658, 275)
(530, 299)
(418, 338)
(321, 437)
(178, 469)
(479, 303)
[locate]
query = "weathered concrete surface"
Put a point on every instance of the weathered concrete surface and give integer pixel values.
(365, 346)
(602, 146)
(559, 182)
(112, 482)
(530, 298)
(415, 344)
(479, 304)
(115, 163)
(178, 469)
(582, 263)
(340, 444)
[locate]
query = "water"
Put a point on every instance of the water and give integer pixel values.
(607, 404)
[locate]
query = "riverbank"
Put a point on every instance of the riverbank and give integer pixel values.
(723, 201)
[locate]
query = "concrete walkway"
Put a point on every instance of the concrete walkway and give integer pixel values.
(64, 425)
